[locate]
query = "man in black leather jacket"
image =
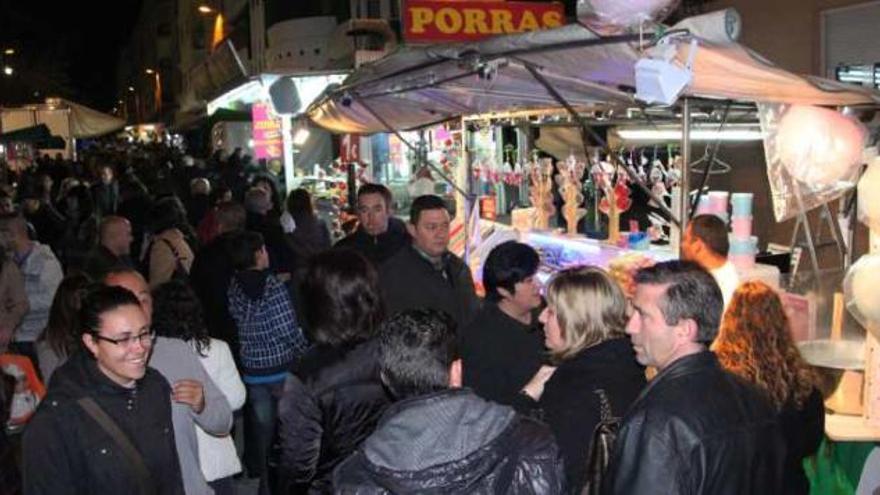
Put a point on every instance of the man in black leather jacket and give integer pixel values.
(441, 438)
(695, 429)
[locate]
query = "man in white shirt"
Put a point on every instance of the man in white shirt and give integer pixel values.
(706, 243)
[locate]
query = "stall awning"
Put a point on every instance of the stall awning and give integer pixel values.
(88, 123)
(415, 87)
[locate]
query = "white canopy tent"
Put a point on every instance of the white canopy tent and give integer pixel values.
(416, 87)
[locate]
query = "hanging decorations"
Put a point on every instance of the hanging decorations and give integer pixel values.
(541, 192)
(616, 198)
(569, 181)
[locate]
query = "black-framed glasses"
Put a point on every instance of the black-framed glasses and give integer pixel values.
(145, 338)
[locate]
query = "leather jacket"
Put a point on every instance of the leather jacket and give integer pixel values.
(697, 429)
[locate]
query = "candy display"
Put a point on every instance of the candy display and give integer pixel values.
(860, 292)
(569, 181)
(623, 269)
(541, 193)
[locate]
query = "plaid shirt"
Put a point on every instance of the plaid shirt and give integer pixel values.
(268, 332)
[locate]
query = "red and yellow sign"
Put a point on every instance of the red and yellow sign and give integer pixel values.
(428, 21)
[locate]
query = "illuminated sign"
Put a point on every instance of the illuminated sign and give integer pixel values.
(427, 21)
(266, 132)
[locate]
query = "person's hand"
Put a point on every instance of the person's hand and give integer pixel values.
(535, 387)
(191, 393)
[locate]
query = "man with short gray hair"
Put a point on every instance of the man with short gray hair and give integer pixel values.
(695, 428)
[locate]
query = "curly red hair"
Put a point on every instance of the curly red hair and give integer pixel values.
(755, 343)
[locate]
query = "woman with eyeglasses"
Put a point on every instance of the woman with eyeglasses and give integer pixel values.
(105, 424)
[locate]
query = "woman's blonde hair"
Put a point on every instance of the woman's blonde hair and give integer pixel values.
(589, 306)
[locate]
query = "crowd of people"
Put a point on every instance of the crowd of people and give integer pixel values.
(179, 308)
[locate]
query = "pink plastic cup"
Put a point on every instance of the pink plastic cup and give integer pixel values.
(741, 227)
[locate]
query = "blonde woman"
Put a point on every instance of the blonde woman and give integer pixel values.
(584, 332)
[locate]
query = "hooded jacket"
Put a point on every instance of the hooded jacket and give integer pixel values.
(269, 337)
(66, 452)
(453, 442)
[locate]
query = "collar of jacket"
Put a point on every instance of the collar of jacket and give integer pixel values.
(693, 363)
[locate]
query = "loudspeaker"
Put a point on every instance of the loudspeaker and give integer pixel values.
(658, 81)
(285, 97)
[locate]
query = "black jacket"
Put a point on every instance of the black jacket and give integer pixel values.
(697, 429)
(499, 354)
(282, 259)
(804, 429)
(66, 452)
(571, 407)
(381, 247)
(331, 403)
(409, 281)
(210, 275)
(453, 442)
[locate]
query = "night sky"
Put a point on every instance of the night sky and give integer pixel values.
(64, 48)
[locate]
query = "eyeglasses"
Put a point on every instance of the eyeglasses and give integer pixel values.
(146, 339)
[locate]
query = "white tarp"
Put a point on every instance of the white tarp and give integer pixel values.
(415, 87)
(88, 123)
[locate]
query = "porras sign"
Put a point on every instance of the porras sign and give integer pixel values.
(427, 21)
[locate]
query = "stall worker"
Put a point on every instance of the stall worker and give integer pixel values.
(706, 243)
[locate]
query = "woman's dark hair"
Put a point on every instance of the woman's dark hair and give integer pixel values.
(168, 213)
(177, 313)
(508, 264)
(63, 330)
(341, 298)
(299, 204)
(99, 299)
(274, 195)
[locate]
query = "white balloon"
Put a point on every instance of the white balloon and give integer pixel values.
(861, 294)
(819, 147)
(869, 190)
(625, 13)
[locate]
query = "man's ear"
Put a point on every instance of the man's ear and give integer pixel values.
(411, 229)
(455, 374)
(688, 330)
(505, 294)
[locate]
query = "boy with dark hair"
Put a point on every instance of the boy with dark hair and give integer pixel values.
(439, 437)
(503, 347)
(269, 337)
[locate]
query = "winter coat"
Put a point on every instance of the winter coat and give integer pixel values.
(409, 281)
(499, 354)
(66, 452)
(571, 406)
(697, 429)
(453, 442)
(331, 403)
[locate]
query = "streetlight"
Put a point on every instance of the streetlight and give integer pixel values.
(204, 9)
(149, 71)
(7, 70)
(9, 51)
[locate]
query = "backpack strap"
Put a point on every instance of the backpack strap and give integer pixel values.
(131, 454)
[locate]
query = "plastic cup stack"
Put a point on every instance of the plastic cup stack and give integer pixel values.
(743, 245)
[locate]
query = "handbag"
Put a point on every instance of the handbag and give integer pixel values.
(135, 460)
(601, 445)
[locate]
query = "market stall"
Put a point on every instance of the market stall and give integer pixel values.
(573, 72)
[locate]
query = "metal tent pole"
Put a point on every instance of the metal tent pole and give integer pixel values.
(684, 184)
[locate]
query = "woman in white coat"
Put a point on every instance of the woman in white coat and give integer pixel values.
(177, 312)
